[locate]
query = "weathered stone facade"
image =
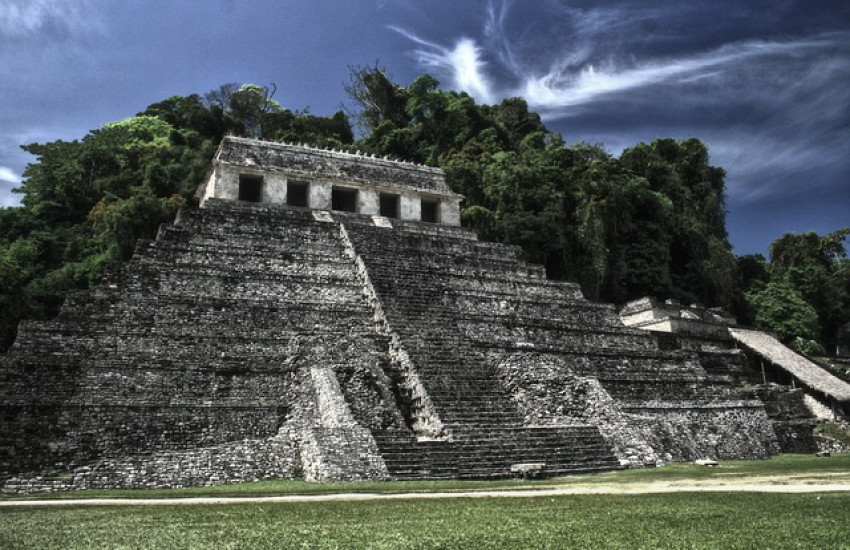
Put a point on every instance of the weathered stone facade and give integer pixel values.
(253, 341)
(792, 419)
(279, 173)
(796, 392)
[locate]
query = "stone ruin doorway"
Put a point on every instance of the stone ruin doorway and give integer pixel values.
(389, 205)
(430, 211)
(344, 199)
(250, 188)
(298, 194)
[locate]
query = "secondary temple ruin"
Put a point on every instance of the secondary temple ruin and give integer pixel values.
(323, 315)
(797, 393)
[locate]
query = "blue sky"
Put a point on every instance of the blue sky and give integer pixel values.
(766, 84)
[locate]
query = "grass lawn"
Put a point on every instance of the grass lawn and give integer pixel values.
(680, 520)
(675, 520)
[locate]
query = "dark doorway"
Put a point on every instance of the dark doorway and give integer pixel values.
(430, 211)
(389, 205)
(343, 199)
(298, 193)
(250, 188)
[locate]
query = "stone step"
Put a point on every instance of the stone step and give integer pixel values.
(275, 239)
(178, 254)
(492, 452)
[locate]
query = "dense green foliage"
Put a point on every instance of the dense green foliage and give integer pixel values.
(803, 293)
(779, 307)
(87, 202)
(649, 222)
(818, 269)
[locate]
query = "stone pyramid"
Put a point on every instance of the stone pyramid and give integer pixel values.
(323, 315)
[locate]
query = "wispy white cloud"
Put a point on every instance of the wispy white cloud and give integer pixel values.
(771, 162)
(596, 59)
(8, 175)
(462, 62)
(494, 30)
(21, 18)
(770, 109)
(558, 89)
(564, 86)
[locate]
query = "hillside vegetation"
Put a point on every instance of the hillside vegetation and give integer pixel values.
(649, 222)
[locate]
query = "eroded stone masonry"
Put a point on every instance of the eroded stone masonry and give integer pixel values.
(323, 315)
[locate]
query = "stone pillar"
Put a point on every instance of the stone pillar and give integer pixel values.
(274, 188)
(450, 211)
(410, 207)
(367, 202)
(209, 187)
(226, 181)
(320, 195)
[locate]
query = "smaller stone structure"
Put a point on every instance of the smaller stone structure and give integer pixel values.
(291, 175)
(791, 368)
(796, 392)
(671, 316)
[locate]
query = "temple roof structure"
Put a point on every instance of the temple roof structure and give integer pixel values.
(323, 179)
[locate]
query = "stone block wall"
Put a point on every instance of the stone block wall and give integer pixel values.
(790, 416)
(252, 341)
(240, 461)
(525, 351)
(196, 345)
(278, 164)
(705, 430)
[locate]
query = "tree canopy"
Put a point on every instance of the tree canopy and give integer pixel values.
(816, 267)
(86, 202)
(650, 221)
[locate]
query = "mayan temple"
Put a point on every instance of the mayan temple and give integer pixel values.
(324, 315)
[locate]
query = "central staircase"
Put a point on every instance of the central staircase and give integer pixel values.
(415, 275)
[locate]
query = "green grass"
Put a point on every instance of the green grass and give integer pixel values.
(675, 520)
(683, 520)
(783, 465)
(786, 465)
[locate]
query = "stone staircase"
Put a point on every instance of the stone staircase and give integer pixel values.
(482, 452)
(465, 309)
(438, 356)
(414, 275)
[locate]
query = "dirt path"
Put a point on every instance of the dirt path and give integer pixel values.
(623, 489)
